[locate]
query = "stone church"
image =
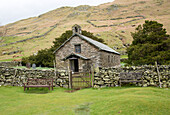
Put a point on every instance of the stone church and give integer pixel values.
(80, 53)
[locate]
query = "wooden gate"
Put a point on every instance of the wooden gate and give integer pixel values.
(79, 80)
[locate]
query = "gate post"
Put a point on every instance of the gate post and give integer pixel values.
(70, 79)
(158, 74)
(71, 82)
(92, 78)
(69, 75)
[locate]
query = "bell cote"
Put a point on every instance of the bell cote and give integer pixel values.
(76, 29)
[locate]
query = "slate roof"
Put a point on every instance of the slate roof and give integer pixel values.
(101, 46)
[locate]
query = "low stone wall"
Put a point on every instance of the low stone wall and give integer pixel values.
(17, 77)
(103, 77)
(9, 64)
(109, 77)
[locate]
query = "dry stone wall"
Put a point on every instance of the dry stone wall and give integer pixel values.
(109, 77)
(17, 77)
(103, 77)
(52, 28)
(9, 64)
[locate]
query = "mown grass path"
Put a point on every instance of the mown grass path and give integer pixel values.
(107, 101)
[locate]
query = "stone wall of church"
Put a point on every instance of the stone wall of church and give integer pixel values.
(97, 57)
(87, 50)
(109, 59)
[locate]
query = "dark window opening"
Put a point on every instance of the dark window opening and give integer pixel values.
(112, 59)
(78, 48)
(76, 29)
(108, 59)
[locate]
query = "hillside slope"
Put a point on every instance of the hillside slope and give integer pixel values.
(111, 21)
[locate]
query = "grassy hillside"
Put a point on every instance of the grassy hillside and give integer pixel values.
(108, 101)
(111, 21)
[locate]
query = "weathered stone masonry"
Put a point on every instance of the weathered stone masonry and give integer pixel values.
(109, 77)
(16, 77)
(97, 57)
(108, 59)
(103, 77)
(87, 51)
(9, 64)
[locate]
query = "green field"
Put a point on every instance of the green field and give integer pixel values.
(10, 59)
(107, 101)
(124, 56)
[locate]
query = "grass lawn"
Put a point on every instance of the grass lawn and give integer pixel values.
(124, 56)
(11, 59)
(107, 101)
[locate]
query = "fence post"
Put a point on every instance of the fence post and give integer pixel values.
(90, 82)
(69, 79)
(158, 74)
(54, 69)
(92, 79)
(69, 76)
(70, 82)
